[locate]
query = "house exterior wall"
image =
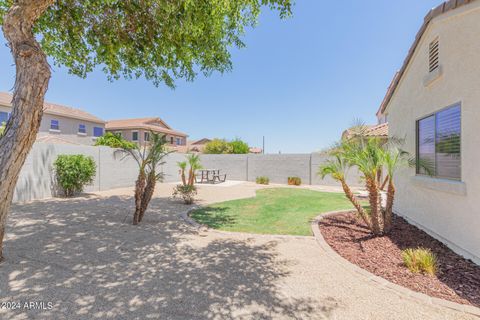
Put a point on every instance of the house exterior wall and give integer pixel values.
(448, 210)
(127, 134)
(69, 129)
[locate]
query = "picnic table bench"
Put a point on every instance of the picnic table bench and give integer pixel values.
(210, 176)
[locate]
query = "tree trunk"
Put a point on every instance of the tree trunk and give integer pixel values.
(148, 193)
(389, 207)
(184, 180)
(139, 190)
(31, 83)
(375, 211)
(356, 203)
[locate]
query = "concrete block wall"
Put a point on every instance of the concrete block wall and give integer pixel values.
(37, 180)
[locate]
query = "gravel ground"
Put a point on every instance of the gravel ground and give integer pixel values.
(85, 258)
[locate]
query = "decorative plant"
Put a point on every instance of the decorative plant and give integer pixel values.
(2, 128)
(73, 172)
(370, 155)
(187, 190)
(149, 158)
(420, 260)
(262, 180)
(113, 140)
(294, 181)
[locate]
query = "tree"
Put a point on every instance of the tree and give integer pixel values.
(222, 146)
(114, 141)
(187, 190)
(161, 40)
(149, 158)
(217, 146)
(370, 155)
(238, 146)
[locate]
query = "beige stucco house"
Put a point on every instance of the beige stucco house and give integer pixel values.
(138, 130)
(60, 124)
(434, 103)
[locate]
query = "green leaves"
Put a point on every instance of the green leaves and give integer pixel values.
(114, 141)
(161, 40)
(222, 146)
(74, 172)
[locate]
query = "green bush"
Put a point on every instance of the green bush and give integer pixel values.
(187, 192)
(217, 146)
(222, 146)
(2, 128)
(114, 141)
(262, 180)
(420, 260)
(74, 172)
(238, 146)
(294, 181)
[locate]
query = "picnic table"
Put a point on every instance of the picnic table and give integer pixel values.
(210, 176)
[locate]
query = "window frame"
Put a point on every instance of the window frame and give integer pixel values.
(52, 128)
(417, 145)
(84, 132)
(146, 136)
(8, 116)
(133, 135)
(93, 131)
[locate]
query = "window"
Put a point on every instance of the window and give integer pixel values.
(97, 131)
(4, 116)
(54, 125)
(438, 144)
(179, 141)
(134, 135)
(171, 140)
(146, 136)
(433, 55)
(82, 128)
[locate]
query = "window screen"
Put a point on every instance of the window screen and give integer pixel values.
(54, 125)
(438, 143)
(97, 131)
(82, 128)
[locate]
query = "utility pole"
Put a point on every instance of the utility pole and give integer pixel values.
(263, 145)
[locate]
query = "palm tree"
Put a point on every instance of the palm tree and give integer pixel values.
(337, 168)
(149, 158)
(183, 167)
(194, 163)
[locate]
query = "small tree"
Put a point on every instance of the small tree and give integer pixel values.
(370, 155)
(149, 158)
(187, 190)
(217, 146)
(74, 172)
(113, 140)
(238, 146)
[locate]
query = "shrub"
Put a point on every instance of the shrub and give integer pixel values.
(420, 260)
(186, 192)
(238, 146)
(74, 172)
(115, 141)
(217, 146)
(262, 180)
(2, 128)
(294, 181)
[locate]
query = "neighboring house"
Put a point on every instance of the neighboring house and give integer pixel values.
(377, 130)
(138, 130)
(60, 124)
(434, 103)
(256, 150)
(197, 145)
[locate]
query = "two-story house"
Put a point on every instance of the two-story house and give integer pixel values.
(138, 130)
(60, 124)
(434, 103)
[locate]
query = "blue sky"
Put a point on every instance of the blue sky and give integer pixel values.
(299, 82)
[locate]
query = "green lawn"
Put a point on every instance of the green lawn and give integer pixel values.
(272, 211)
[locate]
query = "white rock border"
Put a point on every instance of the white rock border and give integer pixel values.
(379, 281)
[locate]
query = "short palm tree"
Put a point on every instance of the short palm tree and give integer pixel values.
(338, 168)
(149, 158)
(194, 163)
(370, 156)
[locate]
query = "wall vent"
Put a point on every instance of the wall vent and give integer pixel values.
(434, 56)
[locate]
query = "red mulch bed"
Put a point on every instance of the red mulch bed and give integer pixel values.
(457, 279)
